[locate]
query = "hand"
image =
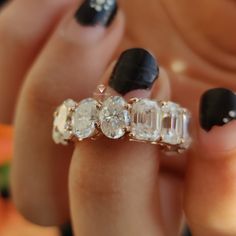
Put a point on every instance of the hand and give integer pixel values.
(111, 192)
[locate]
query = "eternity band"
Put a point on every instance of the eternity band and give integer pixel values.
(159, 122)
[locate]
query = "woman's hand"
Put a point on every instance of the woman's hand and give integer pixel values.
(119, 188)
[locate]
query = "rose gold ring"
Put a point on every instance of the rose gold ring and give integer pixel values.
(140, 119)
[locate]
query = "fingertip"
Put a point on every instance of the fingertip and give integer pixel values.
(74, 30)
(210, 190)
(217, 115)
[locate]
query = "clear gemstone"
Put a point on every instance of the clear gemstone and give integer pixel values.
(98, 7)
(226, 120)
(172, 123)
(232, 114)
(114, 117)
(185, 135)
(145, 120)
(85, 118)
(101, 1)
(110, 2)
(62, 122)
(106, 7)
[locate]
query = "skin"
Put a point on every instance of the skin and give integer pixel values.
(119, 188)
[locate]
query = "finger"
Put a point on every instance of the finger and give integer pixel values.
(170, 183)
(210, 189)
(69, 67)
(2, 3)
(24, 28)
(113, 185)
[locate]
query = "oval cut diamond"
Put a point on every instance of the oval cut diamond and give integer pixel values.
(114, 117)
(62, 122)
(85, 118)
(172, 123)
(146, 120)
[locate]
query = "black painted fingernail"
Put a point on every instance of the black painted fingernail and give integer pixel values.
(218, 107)
(66, 230)
(187, 232)
(2, 2)
(135, 69)
(96, 12)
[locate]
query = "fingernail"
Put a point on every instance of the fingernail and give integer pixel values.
(187, 232)
(96, 12)
(66, 230)
(217, 108)
(135, 69)
(2, 2)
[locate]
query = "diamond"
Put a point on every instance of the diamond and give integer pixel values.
(114, 117)
(62, 122)
(172, 124)
(145, 120)
(232, 114)
(226, 120)
(85, 118)
(186, 139)
(101, 1)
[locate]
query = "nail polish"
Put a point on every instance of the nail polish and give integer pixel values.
(2, 2)
(217, 107)
(66, 230)
(135, 69)
(96, 12)
(187, 232)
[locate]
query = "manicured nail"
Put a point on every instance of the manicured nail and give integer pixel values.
(187, 232)
(217, 108)
(2, 2)
(66, 230)
(96, 12)
(135, 69)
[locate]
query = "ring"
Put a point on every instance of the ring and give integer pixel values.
(164, 123)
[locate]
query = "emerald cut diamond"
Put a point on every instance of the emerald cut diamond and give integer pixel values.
(145, 120)
(172, 123)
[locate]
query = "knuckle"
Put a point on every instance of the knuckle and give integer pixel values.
(44, 94)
